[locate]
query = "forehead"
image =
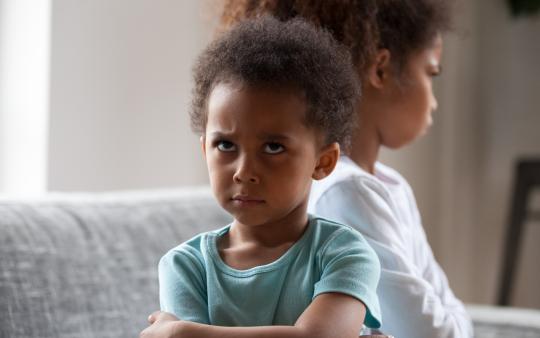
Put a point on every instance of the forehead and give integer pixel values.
(436, 48)
(237, 108)
(431, 54)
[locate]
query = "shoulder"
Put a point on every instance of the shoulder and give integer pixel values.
(392, 175)
(327, 229)
(190, 255)
(366, 203)
(331, 235)
(349, 266)
(389, 172)
(350, 193)
(347, 180)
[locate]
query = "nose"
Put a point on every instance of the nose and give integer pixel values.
(245, 172)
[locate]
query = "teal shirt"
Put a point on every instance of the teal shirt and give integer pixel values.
(196, 285)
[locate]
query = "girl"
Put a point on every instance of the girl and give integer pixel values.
(396, 47)
(272, 102)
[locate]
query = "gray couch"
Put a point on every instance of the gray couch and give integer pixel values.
(85, 265)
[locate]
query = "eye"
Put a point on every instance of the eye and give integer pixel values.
(226, 146)
(273, 148)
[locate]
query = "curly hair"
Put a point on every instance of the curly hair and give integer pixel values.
(351, 22)
(405, 26)
(363, 26)
(271, 54)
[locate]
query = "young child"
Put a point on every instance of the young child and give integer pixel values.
(396, 47)
(272, 102)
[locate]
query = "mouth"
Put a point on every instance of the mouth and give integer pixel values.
(246, 200)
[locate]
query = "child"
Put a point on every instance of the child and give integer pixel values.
(272, 102)
(396, 47)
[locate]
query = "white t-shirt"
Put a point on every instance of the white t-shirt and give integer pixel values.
(416, 300)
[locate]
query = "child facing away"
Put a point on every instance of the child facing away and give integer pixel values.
(396, 47)
(272, 102)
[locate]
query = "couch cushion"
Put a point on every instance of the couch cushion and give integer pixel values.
(499, 322)
(86, 265)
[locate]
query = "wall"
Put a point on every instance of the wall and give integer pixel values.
(510, 105)
(120, 88)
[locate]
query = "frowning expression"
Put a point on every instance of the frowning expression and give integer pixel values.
(260, 152)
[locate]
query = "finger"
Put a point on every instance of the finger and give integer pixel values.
(153, 317)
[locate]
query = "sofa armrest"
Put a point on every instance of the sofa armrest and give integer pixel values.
(498, 321)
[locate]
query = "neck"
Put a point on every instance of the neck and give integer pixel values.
(287, 229)
(365, 143)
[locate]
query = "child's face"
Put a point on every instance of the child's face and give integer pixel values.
(410, 102)
(260, 154)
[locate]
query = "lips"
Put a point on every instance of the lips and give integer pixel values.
(247, 200)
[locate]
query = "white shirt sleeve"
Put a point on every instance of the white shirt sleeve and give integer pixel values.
(416, 301)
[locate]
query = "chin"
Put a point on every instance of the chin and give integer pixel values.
(396, 144)
(248, 219)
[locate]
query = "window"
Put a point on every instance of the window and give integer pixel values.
(24, 87)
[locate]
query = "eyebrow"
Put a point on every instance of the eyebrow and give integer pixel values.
(262, 136)
(218, 134)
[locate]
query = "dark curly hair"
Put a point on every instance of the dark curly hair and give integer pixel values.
(405, 26)
(351, 22)
(364, 26)
(271, 54)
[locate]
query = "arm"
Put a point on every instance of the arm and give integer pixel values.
(416, 300)
(329, 315)
(182, 285)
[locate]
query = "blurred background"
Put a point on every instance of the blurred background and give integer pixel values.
(94, 97)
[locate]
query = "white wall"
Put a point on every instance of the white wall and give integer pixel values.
(120, 91)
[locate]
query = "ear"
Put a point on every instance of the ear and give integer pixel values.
(202, 139)
(328, 157)
(380, 70)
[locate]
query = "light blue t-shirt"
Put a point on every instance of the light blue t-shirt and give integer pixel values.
(196, 285)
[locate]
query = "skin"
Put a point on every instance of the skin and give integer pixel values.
(261, 158)
(166, 325)
(396, 107)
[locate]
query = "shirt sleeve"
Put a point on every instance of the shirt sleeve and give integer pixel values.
(350, 266)
(182, 285)
(415, 301)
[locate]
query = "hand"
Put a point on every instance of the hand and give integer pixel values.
(162, 325)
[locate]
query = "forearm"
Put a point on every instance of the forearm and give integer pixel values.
(196, 330)
(330, 315)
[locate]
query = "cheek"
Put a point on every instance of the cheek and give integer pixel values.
(427, 96)
(219, 173)
(420, 112)
(418, 107)
(293, 174)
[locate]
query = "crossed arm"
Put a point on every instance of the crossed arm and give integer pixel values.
(329, 315)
